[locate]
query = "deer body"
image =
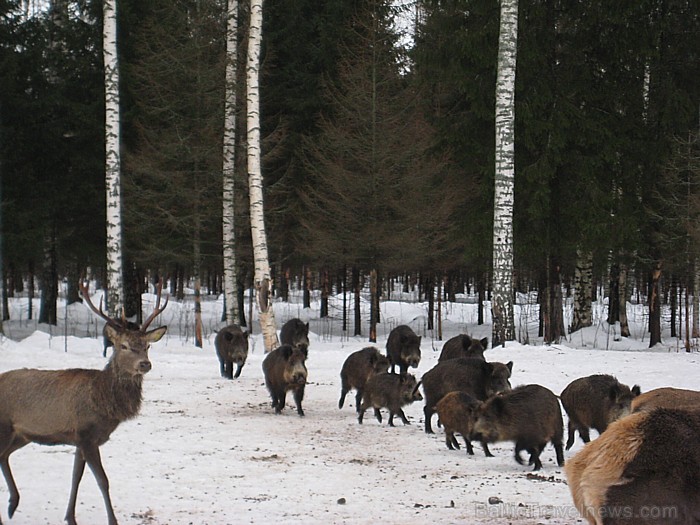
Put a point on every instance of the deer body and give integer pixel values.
(79, 407)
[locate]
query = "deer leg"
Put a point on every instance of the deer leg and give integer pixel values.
(78, 469)
(13, 444)
(91, 454)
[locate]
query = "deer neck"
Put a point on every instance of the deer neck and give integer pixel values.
(117, 394)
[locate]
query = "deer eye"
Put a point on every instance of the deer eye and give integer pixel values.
(124, 346)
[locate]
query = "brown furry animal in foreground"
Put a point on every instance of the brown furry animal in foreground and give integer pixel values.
(643, 470)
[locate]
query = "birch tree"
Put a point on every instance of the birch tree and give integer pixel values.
(262, 278)
(502, 302)
(229, 165)
(115, 281)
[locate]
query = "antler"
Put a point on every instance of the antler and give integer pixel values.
(158, 309)
(86, 296)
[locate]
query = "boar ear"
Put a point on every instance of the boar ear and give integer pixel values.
(466, 341)
(307, 328)
(636, 391)
(509, 365)
(485, 342)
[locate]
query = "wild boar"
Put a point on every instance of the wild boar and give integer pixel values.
(595, 402)
(463, 346)
(391, 391)
(296, 333)
(285, 369)
(473, 376)
(403, 348)
(357, 369)
(643, 470)
(529, 415)
(457, 412)
(231, 345)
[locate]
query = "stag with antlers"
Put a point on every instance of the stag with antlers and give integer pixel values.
(80, 407)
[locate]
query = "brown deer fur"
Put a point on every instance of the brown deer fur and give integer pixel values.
(79, 407)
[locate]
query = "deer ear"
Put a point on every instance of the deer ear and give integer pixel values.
(156, 334)
(485, 342)
(111, 332)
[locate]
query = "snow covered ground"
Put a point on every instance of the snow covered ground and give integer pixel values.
(206, 450)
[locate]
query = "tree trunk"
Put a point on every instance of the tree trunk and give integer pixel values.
(30, 291)
(696, 299)
(502, 303)
(583, 291)
(115, 277)
(229, 166)
(262, 280)
(654, 306)
(438, 312)
(307, 288)
(481, 293)
(622, 301)
(554, 325)
(614, 295)
(325, 293)
(356, 286)
(673, 304)
(430, 296)
(49, 284)
(374, 305)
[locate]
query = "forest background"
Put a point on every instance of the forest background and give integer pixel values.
(378, 142)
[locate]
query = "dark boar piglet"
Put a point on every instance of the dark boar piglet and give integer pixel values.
(667, 397)
(296, 333)
(529, 415)
(231, 345)
(357, 369)
(457, 412)
(390, 391)
(463, 346)
(473, 376)
(403, 348)
(285, 369)
(595, 402)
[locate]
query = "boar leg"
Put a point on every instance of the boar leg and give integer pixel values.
(487, 452)
(239, 368)
(358, 400)
(298, 398)
(450, 439)
(403, 417)
(378, 414)
(468, 444)
(428, 412)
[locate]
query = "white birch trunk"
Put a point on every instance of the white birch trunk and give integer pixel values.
(502, 304)
(115, 281)
(229, 166)
(263, 280)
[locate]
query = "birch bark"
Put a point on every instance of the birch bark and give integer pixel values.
(229, 166)
(263, 280)
(502, 304)
(115, 280)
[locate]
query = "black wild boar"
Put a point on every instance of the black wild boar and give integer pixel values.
(231, 345)
(357, 369)
(296, 333)
(595, 402)
(529, 415)
(391, 391)
(403, 348)
(473, 376)
(457, 412)
(463, 346)
(643, 470)
(285, 369)
(667, 397)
